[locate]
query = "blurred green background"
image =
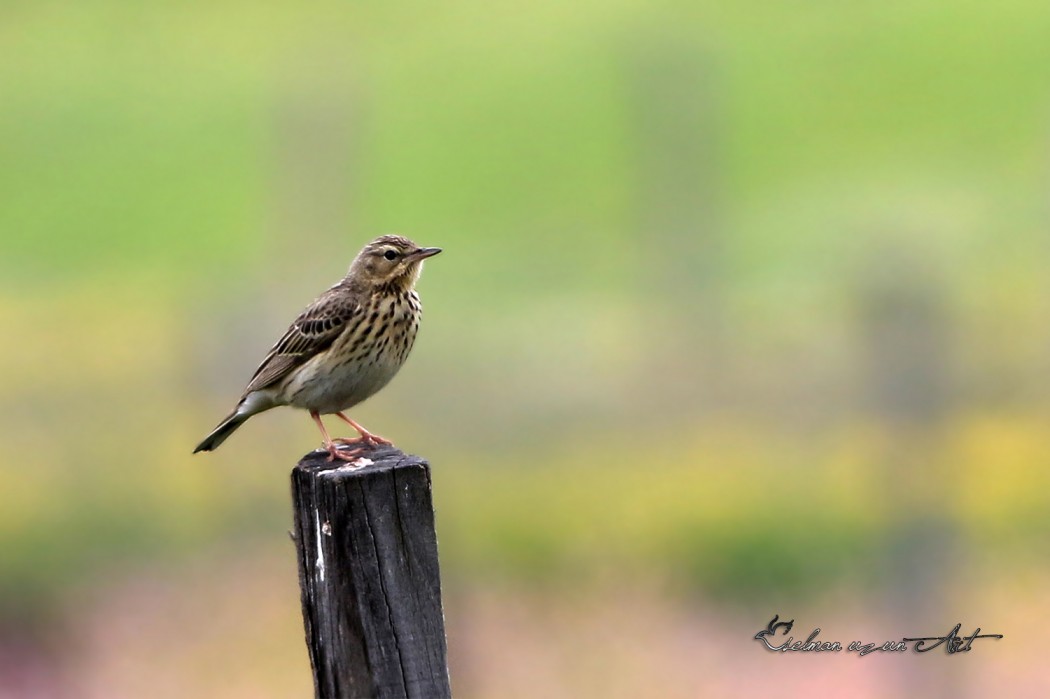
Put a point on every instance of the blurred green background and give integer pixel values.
(742, 312)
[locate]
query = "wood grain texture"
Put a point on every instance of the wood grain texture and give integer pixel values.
(369, 576)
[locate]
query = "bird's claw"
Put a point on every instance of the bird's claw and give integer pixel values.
(346, 454)
(372, 440)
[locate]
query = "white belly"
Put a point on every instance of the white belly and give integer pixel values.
(340, 388)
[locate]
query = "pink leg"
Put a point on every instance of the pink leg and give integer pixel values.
(334, 454)
(366, 436)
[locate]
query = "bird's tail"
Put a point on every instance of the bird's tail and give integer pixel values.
(230, 423)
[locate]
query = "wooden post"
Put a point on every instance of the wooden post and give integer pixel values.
(368, 571)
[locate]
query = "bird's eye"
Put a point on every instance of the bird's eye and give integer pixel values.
(390, 255)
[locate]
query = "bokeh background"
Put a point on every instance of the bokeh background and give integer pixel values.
(742, 312)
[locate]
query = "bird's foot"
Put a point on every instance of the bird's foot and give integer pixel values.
(375, 440)
(369, 439)
(344, 454)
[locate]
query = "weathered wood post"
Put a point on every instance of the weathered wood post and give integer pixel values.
(368, 571)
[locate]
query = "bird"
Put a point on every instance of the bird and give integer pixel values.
(343, 348)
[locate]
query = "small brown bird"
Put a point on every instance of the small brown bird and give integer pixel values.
(343, 348)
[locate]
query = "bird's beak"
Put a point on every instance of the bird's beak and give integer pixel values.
(423, 253)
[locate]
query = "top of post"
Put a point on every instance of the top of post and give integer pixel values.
(373, 459)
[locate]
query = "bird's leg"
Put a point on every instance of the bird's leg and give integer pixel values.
(366, 436)
(334, 454)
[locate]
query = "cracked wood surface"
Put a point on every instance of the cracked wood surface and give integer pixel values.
(368, 573)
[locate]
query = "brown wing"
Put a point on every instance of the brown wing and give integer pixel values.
(312, 332)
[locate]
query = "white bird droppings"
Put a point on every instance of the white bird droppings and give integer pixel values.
(320, 544)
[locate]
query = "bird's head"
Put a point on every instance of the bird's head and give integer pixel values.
(390, 260)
